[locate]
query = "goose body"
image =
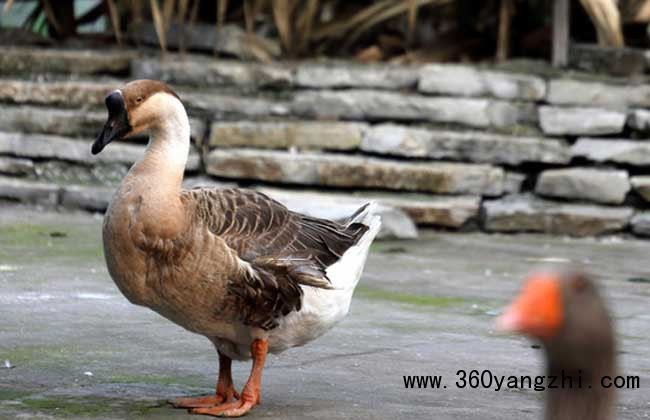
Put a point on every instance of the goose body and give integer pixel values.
(195, 293)
(231, 264)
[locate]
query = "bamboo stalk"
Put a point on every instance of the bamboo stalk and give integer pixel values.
(182, 12)
(222, 6)
(606, 18)
(159, 25)
(282, 17)
(561, 20)
(51, 16)
(115, 20)
(7, 6)
(249, 17)
(305, 24)
(167, 12)
(503, 38)
(136, 10)
(194, 12)
(412, 20)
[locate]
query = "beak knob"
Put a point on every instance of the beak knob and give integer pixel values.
(117, 124)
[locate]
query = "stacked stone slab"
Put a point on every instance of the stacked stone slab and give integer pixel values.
(454, 146)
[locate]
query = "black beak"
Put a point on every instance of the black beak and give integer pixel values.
(117, 125)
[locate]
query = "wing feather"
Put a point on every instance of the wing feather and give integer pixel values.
(279, 250)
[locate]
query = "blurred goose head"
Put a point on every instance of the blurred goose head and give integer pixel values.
(565, 312)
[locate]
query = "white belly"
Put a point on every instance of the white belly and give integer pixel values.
(321, 310)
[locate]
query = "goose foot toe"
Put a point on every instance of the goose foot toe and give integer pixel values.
(232, 409)
(203, 401)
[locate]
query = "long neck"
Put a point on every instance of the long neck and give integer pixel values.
(586, 398)
(167, 152)
(155, 181)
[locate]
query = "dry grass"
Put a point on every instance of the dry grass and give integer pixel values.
(372, 30)
(607, 19)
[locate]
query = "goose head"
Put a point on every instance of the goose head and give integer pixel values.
(565, 312)
(137, 107)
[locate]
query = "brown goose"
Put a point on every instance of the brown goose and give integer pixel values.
(232, 265)
(565, 312)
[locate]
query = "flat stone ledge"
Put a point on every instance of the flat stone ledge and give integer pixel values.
(640, 224)
(92, 93)
(445, 211)
(65, 122)
(16, 166)
(359, 104)
(641, 185)
(458, 80)
(617, 61)
(19, 60)
(639, 119)
(346, 75)
(43, 146)
(580, 121)
(198, 70)
(471, 146)
(527, 213)
(222, 104)
(598, 185)
(587, 93)
(30, 192)
(395, 223)
(623, 151)
(65, 93)
(286, 134)
(92, 198)
(355, 171)
(423, 209)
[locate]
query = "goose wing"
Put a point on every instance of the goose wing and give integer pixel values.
(278, 250)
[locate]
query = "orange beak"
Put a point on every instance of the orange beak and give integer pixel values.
(537, 311)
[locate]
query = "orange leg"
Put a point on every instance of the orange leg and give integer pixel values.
(250, 395)
(225, 389)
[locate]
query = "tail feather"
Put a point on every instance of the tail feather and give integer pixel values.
(367, 215)
(353, 218)
(346, 272)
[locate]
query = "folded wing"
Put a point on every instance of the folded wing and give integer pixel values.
(278, 250)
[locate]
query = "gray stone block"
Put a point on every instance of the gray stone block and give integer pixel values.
(580, 121)
(472, 146)
(30, 192)
(346, 75)
(527, 213)
(598, 185)
(628, 152)
(459, 80)
(355, 171)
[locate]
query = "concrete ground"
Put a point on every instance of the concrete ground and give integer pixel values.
(77, 349)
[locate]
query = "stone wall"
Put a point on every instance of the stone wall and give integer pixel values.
(452, 146)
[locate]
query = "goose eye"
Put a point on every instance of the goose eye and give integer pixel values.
(138, 99)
